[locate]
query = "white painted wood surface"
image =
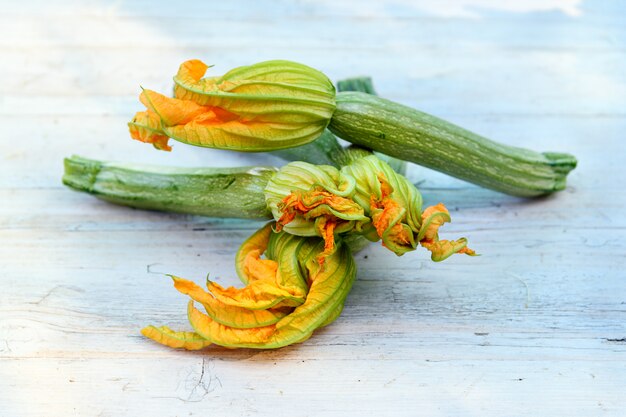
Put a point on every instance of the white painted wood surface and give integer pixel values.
(534, 327)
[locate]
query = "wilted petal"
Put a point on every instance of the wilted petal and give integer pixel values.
(329, 287)
(324, 301)
(146, 127)
(257, 295)
(366, 196)
(172, 111)
(314, 200)
(168, 337)
(270, 283)
(248, 262)
(225, 335)
(433, 218)
(327, 211)
(388, 216)
(227, 314)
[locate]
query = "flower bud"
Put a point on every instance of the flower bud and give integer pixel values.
(266, 106)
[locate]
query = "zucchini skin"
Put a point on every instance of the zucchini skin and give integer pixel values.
(213, 192)
(414, 136)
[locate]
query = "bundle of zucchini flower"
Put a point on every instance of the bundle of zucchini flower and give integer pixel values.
(325, 205)
(308, 269)
(322, 215)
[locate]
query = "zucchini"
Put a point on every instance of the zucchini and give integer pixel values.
(213, 192)
(414, 136)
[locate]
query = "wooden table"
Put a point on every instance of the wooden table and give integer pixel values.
(536, 326)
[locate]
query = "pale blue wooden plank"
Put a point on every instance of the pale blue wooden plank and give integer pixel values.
(535, 325)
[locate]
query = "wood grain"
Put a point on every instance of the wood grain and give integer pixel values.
(536, 326)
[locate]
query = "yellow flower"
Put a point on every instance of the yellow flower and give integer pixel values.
(286, 296)
(266, 106)
(366, 197)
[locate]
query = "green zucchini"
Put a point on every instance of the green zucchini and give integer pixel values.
(213, 192)
(402, 132)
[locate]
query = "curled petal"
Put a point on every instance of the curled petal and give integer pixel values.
(270, 283)
(433, 218)
(190, 72)
(314, 200)
(442, 249)
(328, 212)
(326, 228)
(257, 295)
(248, 262)
(387, 217)
(329, 288)
(146, 127)
(317, 203)
(394, 206)
(225, 335)
(229, 315)
(168, 337)
(258, 269)
(390, 200)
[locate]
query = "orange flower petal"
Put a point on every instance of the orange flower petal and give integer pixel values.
(329, 211)
(388, 218)
(257, 295)
(146, 127)
(173, 111)
(168, 337)
(251, 251)
(266, 106)
(192, 71)
(329, 288)
(433, 218)
(442, 249)
(228, 315)
(225, 335)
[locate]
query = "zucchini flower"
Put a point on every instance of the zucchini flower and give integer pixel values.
(314, 200)
(365, 196)
(286, 297)
(266, 106)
